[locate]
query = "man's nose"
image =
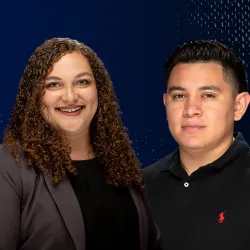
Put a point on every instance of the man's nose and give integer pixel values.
(192, 107)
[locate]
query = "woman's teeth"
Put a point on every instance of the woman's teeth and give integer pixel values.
(70, 110)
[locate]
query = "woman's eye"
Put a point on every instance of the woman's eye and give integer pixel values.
(83, 82)
(52, 85)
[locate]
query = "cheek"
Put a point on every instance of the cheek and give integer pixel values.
(92, 96)
(94, 99)
(49, 99)
(47, 103)
(174, 114)
(224, 111)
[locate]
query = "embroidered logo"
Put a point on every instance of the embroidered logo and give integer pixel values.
(221, 217)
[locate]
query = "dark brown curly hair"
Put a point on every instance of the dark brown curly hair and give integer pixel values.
(47, 150)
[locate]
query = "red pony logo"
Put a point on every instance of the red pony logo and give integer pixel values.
(221, 217)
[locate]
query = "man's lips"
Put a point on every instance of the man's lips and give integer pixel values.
(192, 127)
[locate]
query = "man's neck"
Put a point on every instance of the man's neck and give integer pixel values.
(191, 160)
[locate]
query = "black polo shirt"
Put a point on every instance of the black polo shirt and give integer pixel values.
(208, 210)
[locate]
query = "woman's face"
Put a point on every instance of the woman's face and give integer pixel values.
(70, 95)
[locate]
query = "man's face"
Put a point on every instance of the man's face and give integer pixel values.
(200, 106)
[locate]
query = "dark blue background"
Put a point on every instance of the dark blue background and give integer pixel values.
(133, 38)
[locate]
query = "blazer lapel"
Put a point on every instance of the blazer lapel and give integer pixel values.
(143, 225)
(67, 203)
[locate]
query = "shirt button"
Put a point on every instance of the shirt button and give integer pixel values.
(186, 184)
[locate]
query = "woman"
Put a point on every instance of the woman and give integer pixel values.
(69, 177)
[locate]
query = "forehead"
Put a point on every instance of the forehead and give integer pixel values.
(71, 62)
(191, 75)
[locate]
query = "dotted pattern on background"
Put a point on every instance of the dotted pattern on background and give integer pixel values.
(224, 20)
(227, 21)
(140, 144)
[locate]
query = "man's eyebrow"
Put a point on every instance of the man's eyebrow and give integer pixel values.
(175, 88)
(206, 87)
(210, 87)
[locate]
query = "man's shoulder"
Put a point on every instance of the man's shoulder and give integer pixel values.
(245, 160)
(151, 172)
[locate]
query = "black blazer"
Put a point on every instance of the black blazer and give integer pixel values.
(35, 215)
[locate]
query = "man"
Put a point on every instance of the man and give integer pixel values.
(200, 194)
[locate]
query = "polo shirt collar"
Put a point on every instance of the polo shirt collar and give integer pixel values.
(238, 146)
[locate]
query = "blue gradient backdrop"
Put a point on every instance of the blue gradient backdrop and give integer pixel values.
(133, 38)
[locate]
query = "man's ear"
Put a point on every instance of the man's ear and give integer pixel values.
(241, 103)
(165, 103)
(165, 99)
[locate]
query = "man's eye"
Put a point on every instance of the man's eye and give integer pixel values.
(178, 96)
(208, 96)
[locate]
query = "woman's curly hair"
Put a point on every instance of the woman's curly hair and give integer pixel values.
(47, 150)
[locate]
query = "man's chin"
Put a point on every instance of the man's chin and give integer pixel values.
(195, 146)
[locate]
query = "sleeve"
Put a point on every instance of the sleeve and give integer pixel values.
(10, 197)
(154, 239)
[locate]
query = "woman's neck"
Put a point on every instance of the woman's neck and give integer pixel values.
(81, 148)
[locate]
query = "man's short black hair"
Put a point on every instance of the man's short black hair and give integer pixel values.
(210, 51)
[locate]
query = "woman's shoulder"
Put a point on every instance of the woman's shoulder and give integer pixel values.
(11, 166)
(6, 157)
(15, 172)
(10, 175)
